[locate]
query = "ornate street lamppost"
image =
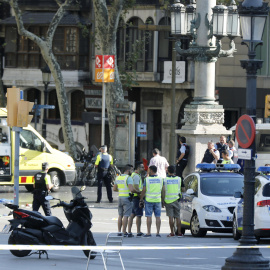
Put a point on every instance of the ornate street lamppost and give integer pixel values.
(253, 15)
(46, 78)
(206, 24)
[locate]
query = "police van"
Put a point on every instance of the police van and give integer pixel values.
(34, 150)
(209, 202)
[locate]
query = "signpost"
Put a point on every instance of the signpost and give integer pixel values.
(245, 131)
(104, 72)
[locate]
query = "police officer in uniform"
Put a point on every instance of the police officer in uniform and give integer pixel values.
(171, 192)
(42, 184)
(152, 187)
(182, 157)
(211, 155)
(221, 146)
(103, 162)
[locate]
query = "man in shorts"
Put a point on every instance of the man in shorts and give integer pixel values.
(171, 193)
(124, 185)
(152, 187)
(136, 210)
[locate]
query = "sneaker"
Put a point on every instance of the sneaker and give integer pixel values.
(180, 235)
(158, 235)
(140, 234)
(97, 201)
(130, 235)
(147, 235)
(125, 234)
(171, 235)
(120, 234)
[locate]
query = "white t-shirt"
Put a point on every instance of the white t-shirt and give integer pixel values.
(161, 163)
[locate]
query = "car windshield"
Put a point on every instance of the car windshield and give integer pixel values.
(221, 185)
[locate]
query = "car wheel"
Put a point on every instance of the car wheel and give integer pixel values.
(55, 179)
(195, 229)
(236, 234)
(258, 238)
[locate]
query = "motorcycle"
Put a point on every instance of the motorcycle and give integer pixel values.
(86, 173)
(31, 228)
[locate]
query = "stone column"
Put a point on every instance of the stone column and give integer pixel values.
(204, 117)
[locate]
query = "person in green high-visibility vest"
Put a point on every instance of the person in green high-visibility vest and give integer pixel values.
(137, 211)
(171, 192)
(124, 185)
(152, 187)
(226, 157)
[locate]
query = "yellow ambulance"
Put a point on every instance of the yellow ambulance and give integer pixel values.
(34, 150)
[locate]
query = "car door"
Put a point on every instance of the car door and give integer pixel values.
(190, 182)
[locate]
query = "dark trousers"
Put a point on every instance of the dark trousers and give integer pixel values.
(103, 175)
(180, 168)
(39, 200)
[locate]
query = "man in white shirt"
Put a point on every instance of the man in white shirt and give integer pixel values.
(160, 162)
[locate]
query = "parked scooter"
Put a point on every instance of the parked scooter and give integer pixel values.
(31, 228)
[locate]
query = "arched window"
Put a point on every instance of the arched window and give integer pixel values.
(53, 113)
(77, 105)
(134, 45)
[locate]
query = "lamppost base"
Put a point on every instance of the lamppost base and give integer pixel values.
(245, 259)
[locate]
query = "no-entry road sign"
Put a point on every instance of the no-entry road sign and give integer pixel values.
(245, 131)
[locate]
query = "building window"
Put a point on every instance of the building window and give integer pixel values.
(65, 47)
(77, 105)
(69, 46)
(134, 46)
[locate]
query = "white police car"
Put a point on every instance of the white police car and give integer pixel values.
(261, 207)
(209, 201)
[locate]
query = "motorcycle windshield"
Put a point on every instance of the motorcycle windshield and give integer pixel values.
(76, 193)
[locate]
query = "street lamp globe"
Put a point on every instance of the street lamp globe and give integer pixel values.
(190, 15)
(253, 15)
(46, 75)
(178, 18)
(233, 23)
(220, 17)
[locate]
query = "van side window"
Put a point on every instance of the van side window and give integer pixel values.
(30, 141)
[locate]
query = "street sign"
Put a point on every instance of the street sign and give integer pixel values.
(245, 131)
(141, 129)
(244, 153)
(104, 68)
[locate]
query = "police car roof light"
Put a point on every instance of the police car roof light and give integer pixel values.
(230, 167)
(206, 166)
(264, 169)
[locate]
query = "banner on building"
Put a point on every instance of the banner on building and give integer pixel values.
(180, 72)
(104, 68)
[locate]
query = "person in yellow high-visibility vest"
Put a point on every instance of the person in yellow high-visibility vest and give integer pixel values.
(226, 157)
(136, 209)
(152, 187)
(124, 185)
(171, 192)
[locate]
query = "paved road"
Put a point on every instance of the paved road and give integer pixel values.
(104, 221)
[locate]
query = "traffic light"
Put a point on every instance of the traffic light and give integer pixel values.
(13, 98)
(24, 107)
(267, 106)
